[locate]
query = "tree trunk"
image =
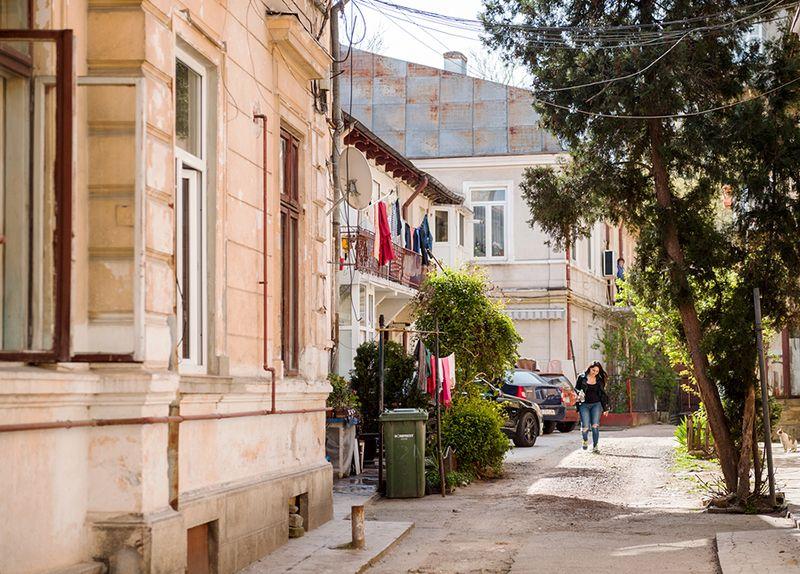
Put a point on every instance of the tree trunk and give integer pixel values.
(748, 421)
(688, 312)
(756, 462)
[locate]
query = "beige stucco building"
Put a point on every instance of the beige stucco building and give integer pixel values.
(164, 195)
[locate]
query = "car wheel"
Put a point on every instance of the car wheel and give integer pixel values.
(549, 426)
(527, 430)
(566, 427)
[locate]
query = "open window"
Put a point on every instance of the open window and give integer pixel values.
(36, 105)
(191, 152)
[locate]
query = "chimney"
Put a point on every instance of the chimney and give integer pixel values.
(455, 62)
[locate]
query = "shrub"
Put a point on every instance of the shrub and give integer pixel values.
(471, 323)
(473, 427)
(342, 395)
(399, 384)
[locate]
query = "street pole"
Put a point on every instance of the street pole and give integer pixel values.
(338, 128)
(442, 477)
(380, 403)
(762, 371)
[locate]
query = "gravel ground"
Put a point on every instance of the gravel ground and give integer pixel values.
(559, 508)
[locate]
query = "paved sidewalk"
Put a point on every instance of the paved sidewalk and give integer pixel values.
(323, 551)
(774, 551)
(787, 479)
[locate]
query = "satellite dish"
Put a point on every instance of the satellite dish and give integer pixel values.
(355, 177)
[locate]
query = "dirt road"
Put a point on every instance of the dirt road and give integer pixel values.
(561, 509)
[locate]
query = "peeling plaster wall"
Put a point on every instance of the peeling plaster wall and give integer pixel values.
(86, 494)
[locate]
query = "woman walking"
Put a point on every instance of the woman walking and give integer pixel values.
(592, 402)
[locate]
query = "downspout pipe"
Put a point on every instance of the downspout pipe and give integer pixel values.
(338, 129)
(267, 367)
(419, 189)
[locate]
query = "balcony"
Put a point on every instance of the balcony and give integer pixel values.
(406, 268)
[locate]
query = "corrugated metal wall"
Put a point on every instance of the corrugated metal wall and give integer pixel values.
(425, 112)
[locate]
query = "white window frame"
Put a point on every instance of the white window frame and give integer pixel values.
(507, 187)
(197, 362)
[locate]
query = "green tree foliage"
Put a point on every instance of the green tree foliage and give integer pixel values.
(399, 385)
(472, 325)
(662, 176)
(630, 355)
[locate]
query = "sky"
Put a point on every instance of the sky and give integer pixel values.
(389, 34)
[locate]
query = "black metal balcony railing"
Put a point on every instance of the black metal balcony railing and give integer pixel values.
(406, 268)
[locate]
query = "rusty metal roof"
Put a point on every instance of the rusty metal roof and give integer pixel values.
(363, 139)
(426, 112)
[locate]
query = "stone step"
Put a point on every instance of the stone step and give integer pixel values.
(82, 568)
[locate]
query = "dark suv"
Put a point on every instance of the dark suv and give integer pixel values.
(524, 421)
(530, 386)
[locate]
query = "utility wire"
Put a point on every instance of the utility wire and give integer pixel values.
(667, 116)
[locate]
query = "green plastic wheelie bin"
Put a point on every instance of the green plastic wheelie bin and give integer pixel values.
(404, 443)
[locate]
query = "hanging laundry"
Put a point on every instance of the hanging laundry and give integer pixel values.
(385, 252)
(427, 237)
(420, 245)
(448, 366)
(431, 379)
(398, 218)
(409, 242)
(376, 243)
(417, 242)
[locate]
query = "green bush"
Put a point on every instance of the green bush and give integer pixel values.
(473, 427)
(399, 384)
(342, 396)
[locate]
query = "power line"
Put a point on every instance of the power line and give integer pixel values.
(667, 116)
(600, 37)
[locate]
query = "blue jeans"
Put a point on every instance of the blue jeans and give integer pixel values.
(590, 418)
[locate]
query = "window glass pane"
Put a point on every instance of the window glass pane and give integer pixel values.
(185, 284)
(28, 202)
(461, 229)
(13, 14)
(441, 220)
(188, 106)
(488, 195)
(479, 228)
(498, 231)
(282, 166)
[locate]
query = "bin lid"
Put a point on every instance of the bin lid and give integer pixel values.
(404, 415)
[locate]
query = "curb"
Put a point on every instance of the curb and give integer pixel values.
(372, 561)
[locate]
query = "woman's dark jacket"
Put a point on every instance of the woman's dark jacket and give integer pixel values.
(582, 384)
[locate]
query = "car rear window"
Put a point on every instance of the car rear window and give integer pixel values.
(527, 378)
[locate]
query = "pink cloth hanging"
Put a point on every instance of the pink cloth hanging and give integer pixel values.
(447, 365)
(385, 251)
(376, 243)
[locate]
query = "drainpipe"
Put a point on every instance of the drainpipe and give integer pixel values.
(570, 353)
(420, 188)
(267, 367)
(338, 128)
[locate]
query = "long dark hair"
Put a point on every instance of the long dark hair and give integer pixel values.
(601, 374)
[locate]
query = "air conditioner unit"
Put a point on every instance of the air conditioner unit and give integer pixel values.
(608, 263)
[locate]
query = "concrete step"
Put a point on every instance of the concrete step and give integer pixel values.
(770, 551)
(324, 550)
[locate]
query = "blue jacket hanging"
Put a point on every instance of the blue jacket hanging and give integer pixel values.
(427, 238)
(409, 242)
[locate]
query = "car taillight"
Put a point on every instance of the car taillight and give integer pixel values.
(521, 393)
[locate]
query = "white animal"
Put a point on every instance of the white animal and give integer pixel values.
(789, 443)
